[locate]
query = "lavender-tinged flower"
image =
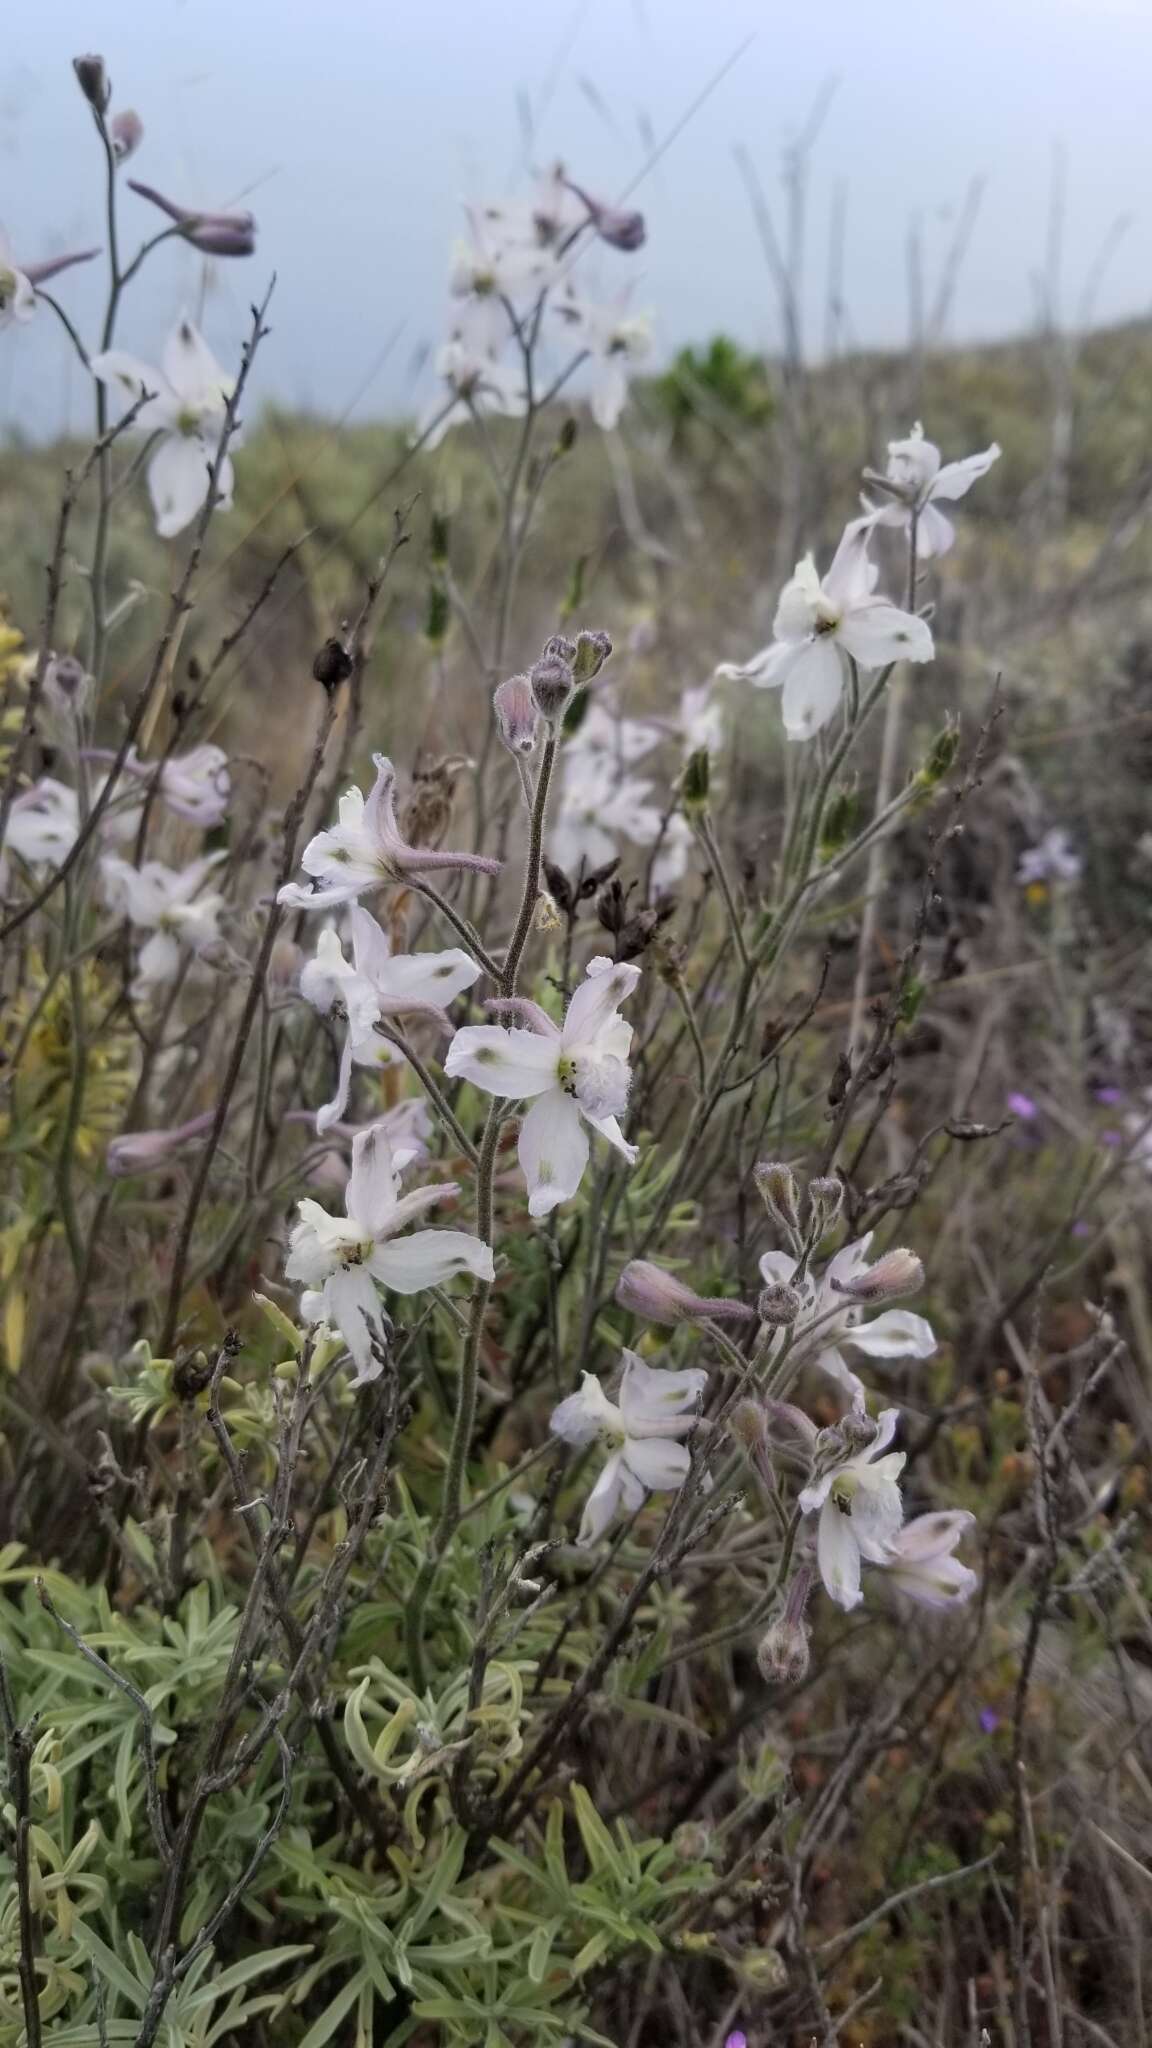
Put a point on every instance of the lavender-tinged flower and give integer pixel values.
(185, 402)
(126, 132)
(377, 983)
(364, 850)
(340, 1259)
(1021, 1106)
(821, 624)
(1054, 859)
(621, 227)
(660, 1297)
(167, 903)
(214, 234)
(145, 1151)
(831, 1314)
(920, 1561)
(43, 824)
(614, 341)
(655, 1409)
(196, 785)
(577, 1072)
(860, 1513)
(921, 484)
(517, 716)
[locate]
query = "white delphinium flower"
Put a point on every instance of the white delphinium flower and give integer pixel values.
(599, 804)
(476, 382)
(196, 785)
(577, 1072)
(860, 1510)
(915, 471)
(602, 735)
(829, 1318)
(920, 1562)
(185, 402)
(641, 1431)
(339, 1259)
(166, 902)
(614, 342)
(17, 298)
(1053, 859)
(43, 824)
(377, 983)
(495, 269)
(365, 849)
(819, 623)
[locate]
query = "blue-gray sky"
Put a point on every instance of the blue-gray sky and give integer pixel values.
(355, 128)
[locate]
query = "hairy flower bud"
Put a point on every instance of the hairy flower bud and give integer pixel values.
(517, 715)
(621, 227)
(747, 1424)
(551, 684)
(592, 651)
(898, 1272)
(214, 234)
(777, 1185)
(778, 1305)
(695, 779)
(127, 133)
(788, 1425)
(93, 80)
(825, 1201)
(941, 755)
(660, 1298)
(67, 686)
(692, 1841)
(559, 648)
(782, 1654)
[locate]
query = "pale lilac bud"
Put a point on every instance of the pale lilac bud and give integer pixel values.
(127, 133)
(592, 651)
(620, 227)
(67, 686)
(783, 1654)
(777, 1185)
(825, 1201)
(898, 1272)
(214, 234)
(659, 1297)
(92, 78)
(778, 1305)
(746, 1423)
(517, 717)
(551, 684)
(39, 273)
(788, 1425)
(144, 1151)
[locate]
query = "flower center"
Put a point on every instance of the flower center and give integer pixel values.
(599, 1082)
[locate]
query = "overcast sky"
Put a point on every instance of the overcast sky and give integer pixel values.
(355, 128)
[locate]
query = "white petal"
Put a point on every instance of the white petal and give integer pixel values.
(877, 632)
(930, 1536)
(943, 1582)
(373, 1190)
(831, 1362)
(776, 1266)
(178, 482)
(427, 1258)
(192, 370)
(934, 533)
(159, 960)
(583, 1416)
(332, 1112)
(651, 1398)
(812, 689)
(838, 1556)
(353, 1305)
(132, 378)
(846, 1263)
(602, 1503)
(604, 988)
(957, 478)
(609, 1128)
(895, 1334)
(553, 1151)
(658, 1463)
(427, 977)
(886, 1423)
(851, 575)
(798, 608)
(503, 1062)
(609, 393)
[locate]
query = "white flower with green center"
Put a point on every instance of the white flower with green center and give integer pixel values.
(184, 401)
(377, 983)
(339, 1260)
(577, 1072)
(641, 1433)
(860, 1513)
(922, 483)
(820, 624)
(828, 1319)
(365, 849)
(167, 903)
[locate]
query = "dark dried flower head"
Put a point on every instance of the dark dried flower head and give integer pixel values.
(93, 80)
(778, 1305)
(782, 1654)
(551, 684)
(333, 665)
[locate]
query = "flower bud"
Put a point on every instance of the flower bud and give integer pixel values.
(333, 665)
(778, 1305)
(941, 755)
(789, 1426)
(517, 716)
(551, 684)
(67, 686)
(695, 779)
(214, 234)
(825, 1201)
(660, 1298)
(93, 81)
(782, 1654)
(621, 227)
(559, 648)
(692, 1841)
(127, 133)
(777, 1185)
(144, 1151)
(747, 1424)
(898, 1272)
(592, 651)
